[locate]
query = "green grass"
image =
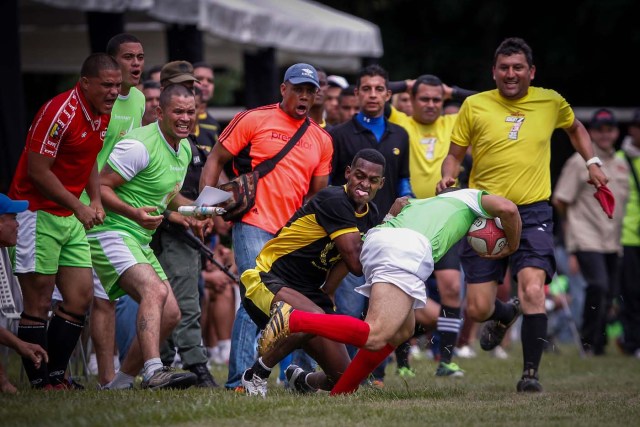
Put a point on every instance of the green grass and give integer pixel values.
(586, 392)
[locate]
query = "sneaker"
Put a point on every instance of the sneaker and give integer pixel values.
(529, 382)
(296, 377)
(465, 352)
(107, 387)
(494, 331)
(415, 352)
(449, 370)
(168, 378)
(277, 329)
(256, 386)
(74, 385)
(377, 383)
(500, 353)
(406, 371)
(204, 379)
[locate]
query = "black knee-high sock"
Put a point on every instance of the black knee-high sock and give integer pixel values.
(503, 312)
(402, 354)
(534, 336)
(63, 336)
(36, 334)
(449, 327)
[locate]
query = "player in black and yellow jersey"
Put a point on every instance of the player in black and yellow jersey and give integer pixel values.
(321, 241)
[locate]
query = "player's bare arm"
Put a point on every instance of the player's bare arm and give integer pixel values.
(451, 167)
(39, 170)
(507, 211)
(349, 245)
(581, 142)
(147, 216)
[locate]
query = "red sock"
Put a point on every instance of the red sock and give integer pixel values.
(336, 327)
(360, 367)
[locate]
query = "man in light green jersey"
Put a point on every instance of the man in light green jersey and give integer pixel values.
(126, 115)
(397, 258)
(142, 177)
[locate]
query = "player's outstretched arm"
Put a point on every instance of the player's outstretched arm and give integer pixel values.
(451, 167)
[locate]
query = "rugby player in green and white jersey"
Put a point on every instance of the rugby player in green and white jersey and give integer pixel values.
(397, 258)
(140, 180)
(126, 115)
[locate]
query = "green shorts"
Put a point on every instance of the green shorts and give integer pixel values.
(113, 253)
(47, 241)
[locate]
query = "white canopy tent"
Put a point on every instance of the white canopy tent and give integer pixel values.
(54, 34)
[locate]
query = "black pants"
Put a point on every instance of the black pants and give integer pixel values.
(600, 271)
(630, 298)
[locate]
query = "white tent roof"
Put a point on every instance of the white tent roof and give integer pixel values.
(300, 30)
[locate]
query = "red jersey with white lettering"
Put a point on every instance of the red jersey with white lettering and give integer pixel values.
(262, 133)
(66, 129)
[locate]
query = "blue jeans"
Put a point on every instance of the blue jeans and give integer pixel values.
(248, 241)
(350, 302)
(126, 315)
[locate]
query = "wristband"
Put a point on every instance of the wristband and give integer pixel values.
(594, 161)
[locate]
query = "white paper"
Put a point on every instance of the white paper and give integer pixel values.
(210, 196)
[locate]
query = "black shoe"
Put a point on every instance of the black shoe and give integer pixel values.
(493, 331)
(296, 377)
(529, 382)
(204, 379)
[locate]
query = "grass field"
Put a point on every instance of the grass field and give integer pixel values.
(602, 391)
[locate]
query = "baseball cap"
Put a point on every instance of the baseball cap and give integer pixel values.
(177, 72)
(8, 206)
(603, 117)
(302, 73)
(337, 81)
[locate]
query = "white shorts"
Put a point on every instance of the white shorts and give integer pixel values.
(399, 256)
(98, 290)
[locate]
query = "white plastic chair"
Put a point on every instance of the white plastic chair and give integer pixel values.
(10, 307)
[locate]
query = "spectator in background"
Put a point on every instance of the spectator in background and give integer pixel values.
(630, 291)
(252, 137)
(154, 73)
(348, 105)
(317, 112)
(8, 236)
(336, 84)
(402, 102)
(589, 234)
(151, 91)
(208, 128)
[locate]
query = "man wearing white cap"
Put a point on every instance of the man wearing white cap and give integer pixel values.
(252, 137)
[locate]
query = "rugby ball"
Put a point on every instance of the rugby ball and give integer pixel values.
(486, 236)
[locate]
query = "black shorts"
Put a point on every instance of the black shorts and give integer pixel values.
(450, 260)
(536, 249)
(274, 284)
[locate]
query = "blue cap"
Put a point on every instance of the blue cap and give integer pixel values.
(8, 206)
(302, 73)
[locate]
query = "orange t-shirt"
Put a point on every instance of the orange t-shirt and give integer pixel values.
(265, 131)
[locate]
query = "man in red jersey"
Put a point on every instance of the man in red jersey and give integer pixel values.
(252, 137)
(58, 163)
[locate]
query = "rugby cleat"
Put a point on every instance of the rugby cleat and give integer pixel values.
(277, 329)
(494, 331)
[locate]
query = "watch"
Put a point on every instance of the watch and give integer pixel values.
(594, 161)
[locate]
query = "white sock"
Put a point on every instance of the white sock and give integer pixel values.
(120, 381)
(151, 366)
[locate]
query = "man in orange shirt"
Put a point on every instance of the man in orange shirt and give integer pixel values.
(252, 137)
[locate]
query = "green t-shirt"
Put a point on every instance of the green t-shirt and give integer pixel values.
(442, 219)
(154, 172)
(126, 115)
